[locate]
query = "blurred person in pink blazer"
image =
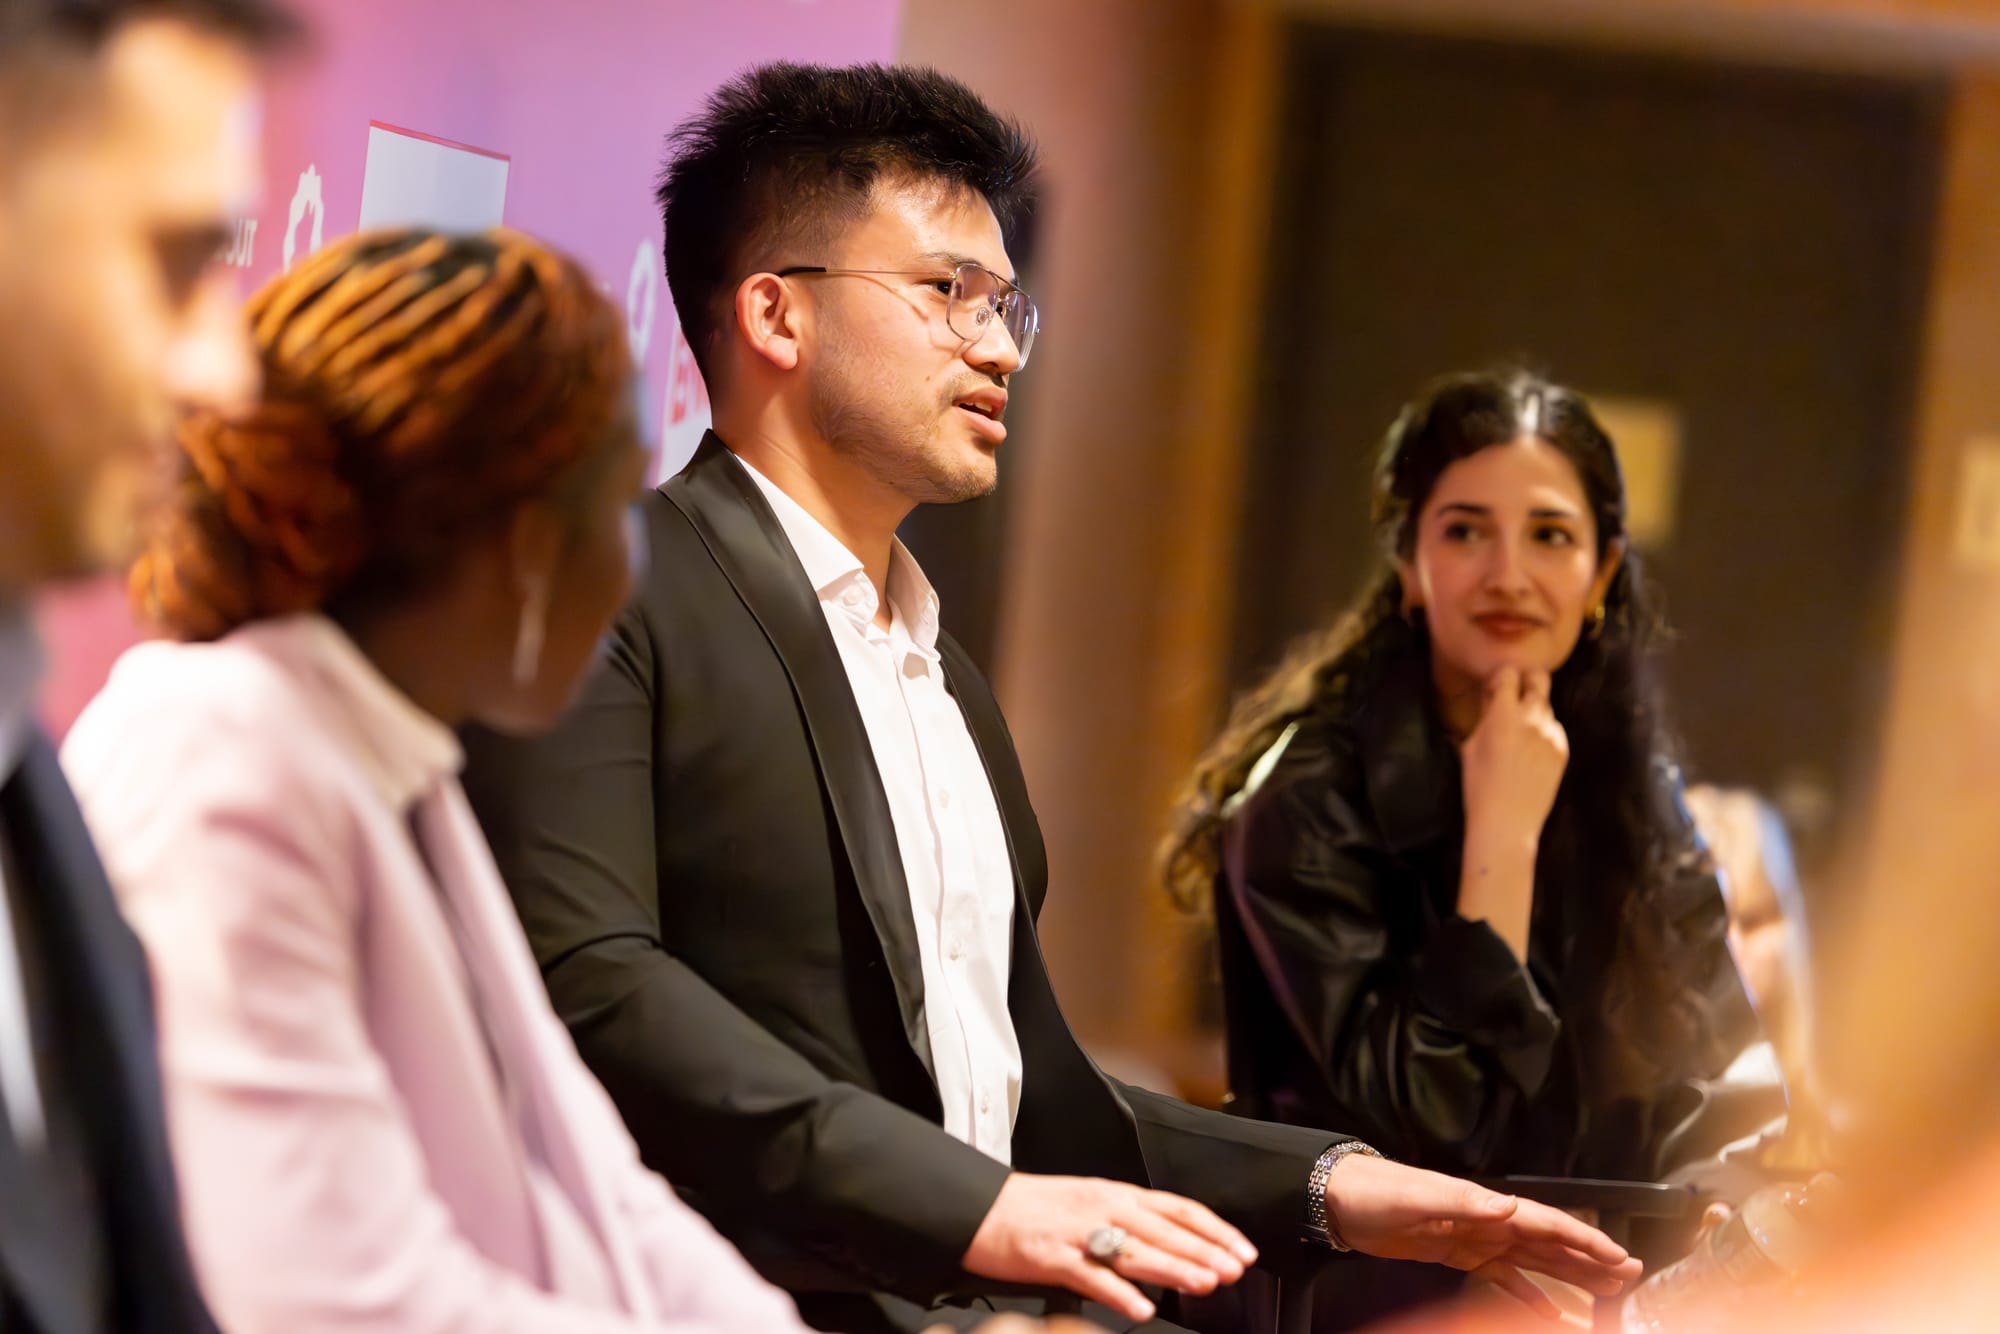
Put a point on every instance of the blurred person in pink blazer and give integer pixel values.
(379, 1122)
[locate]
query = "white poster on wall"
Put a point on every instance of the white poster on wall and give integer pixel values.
(418, 180)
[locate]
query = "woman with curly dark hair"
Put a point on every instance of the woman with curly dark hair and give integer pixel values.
(1461, 907)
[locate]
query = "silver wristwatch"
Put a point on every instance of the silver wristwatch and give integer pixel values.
(1319, 1227)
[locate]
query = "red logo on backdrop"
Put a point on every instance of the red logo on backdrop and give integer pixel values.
(686, 393)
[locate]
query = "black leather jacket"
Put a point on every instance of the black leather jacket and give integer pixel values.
(1356, 996)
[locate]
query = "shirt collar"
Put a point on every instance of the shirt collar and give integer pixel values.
(22, 663)
(838, 576)
(405, 750)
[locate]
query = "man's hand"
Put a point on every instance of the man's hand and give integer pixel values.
(1025, 1324)
(1405, 1213)
(1038, 1228)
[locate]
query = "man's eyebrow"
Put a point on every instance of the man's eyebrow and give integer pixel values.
(951, 259)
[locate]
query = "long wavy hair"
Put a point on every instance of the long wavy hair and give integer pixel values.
(1618, 810)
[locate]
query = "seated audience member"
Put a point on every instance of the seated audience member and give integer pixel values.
(1462, 910)
(379, 1122)
(1767, 927)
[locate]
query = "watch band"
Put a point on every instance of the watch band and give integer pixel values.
(1320, 1227)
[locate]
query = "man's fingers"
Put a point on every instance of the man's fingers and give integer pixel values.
(1518, 1286)
(1202, 1221)
(1573, 1266)
(1170, 1236)
(1455, 1202)
(1142, 1262)
(1556, 1253)
(1538, 1222)
(1394, 1205)
(1087, 1278)
(1538, 1253)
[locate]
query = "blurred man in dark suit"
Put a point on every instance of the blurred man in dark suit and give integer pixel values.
(129, 150)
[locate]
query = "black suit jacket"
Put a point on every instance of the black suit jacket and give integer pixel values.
(705, 862)
(96, 981)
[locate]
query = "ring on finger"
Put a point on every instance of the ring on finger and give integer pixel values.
(1106, 1244)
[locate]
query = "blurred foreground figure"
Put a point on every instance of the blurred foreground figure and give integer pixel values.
(128, 149)
(380, 1123)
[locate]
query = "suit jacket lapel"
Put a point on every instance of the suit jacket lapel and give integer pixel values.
(1071, 1120)
(1003, 771)
(744, 537)
(99, 970)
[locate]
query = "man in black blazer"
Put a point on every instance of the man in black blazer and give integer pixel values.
(780, 867)
(129, 151)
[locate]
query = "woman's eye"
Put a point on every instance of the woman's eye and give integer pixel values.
(1458, 532)
(1556, 537)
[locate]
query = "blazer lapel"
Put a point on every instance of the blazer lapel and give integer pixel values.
(746, 541)
(100, 971)
(32, 1279)
(1071, 1119)
(535, 1056)
(1003, 771)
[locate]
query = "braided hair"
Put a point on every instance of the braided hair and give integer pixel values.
(418, 388)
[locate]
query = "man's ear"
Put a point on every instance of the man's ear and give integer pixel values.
(772, 318)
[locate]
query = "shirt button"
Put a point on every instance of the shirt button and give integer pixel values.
(985, 1103)
(944, 798)
(956, 950)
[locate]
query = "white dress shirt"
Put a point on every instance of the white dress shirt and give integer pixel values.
(20, 672)
(954, 849)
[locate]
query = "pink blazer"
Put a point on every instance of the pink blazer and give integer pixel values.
(378, 1121)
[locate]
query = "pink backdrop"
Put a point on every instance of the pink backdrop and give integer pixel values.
(578, 94)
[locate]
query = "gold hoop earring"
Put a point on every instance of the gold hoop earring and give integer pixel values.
(1597, 621)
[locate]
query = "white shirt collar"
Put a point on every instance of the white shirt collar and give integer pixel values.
(839, 577)
(404, 749)
(22, 663)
